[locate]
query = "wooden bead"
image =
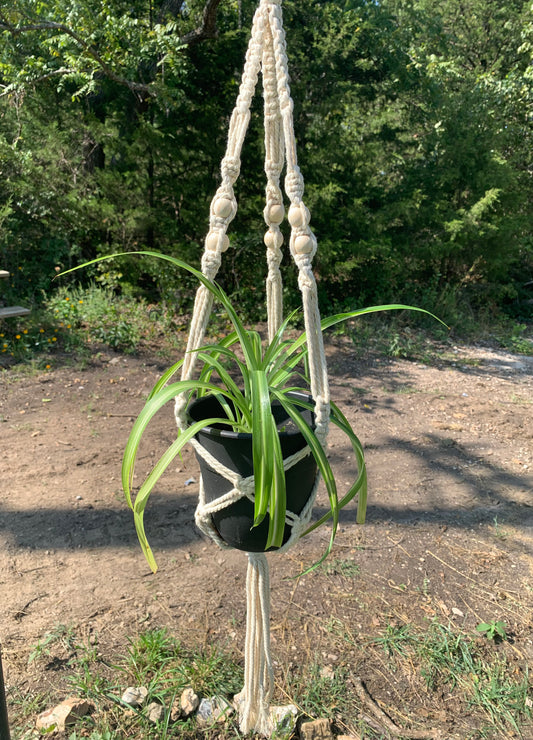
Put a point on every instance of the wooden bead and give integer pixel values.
(273, 239)
(303, 244)
(223, 208)
(299, 216)
(276, 213)
(212, 241)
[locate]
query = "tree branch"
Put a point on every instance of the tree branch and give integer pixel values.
(136, 87)
(208, 29)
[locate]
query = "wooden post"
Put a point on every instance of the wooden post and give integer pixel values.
(4, 724)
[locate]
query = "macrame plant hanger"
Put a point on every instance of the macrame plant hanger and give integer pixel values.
(266, 54)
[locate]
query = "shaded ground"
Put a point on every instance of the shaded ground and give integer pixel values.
(449, 534)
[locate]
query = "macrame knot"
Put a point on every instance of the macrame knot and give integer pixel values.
(211, 263)
(230, 168)
(294, 185)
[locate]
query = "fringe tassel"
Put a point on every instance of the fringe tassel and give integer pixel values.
(255, 698)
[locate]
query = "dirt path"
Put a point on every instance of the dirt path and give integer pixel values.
(449, 533)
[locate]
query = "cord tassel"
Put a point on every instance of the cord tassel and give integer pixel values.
(255, 698)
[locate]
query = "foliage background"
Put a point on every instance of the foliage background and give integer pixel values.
(413, 120)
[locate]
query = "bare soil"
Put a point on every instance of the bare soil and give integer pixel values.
(448, 536)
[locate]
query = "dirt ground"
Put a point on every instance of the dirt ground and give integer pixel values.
(448, 536)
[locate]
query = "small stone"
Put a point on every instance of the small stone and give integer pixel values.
(215, 709)
(134, 696)
(189, 702)
(283, 719)
(204, 715)
(319, 729)
(327, 672)
(63, 714)
(175, 710)
(155, 712)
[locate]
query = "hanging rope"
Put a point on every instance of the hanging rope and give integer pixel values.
(266, 53)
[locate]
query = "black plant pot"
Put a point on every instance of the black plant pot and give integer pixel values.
(234, 451)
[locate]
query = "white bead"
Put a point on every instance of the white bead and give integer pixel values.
(273, 239)
(212, 241)
(276, 213)
(223, 208)
(303, 244)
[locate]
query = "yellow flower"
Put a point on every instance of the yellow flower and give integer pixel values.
(5, 345)
(68, 326)
(17, 336)
(1, 335)
(42, 331)
(67, 298)
(25, 331)
(80, 301)
(54, 339)
(48, 367)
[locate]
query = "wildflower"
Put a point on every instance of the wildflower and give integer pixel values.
(25, 331)
(42, 331)
(1, 335)
(48, 367)
(54, 339)
(67, 298)
(68, 326)
(80, 301)
(5, 345)
(17, 336)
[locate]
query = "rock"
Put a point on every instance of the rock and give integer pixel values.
(212, 710)
(283, 720)
(134, 696)
(189, 702)
(155, 712)
(205, 712)
(319, 729)
(63, 714)
(175, 710)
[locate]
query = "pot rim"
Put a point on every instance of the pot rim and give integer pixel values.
(230, 434)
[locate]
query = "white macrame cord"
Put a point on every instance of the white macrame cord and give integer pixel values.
(266, 54)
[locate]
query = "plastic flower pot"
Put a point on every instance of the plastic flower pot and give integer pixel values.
(234, 451)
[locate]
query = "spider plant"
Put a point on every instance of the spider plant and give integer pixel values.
(267, 373)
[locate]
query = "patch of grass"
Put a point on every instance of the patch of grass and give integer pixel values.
(346, 567)
(449, 660)
(75, 320)
(473, 675)
(154, 659)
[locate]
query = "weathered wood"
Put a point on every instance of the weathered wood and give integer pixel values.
(9, 311)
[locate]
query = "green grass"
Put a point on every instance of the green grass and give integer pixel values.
(442, 665)
(77, 321)
(450, 660)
